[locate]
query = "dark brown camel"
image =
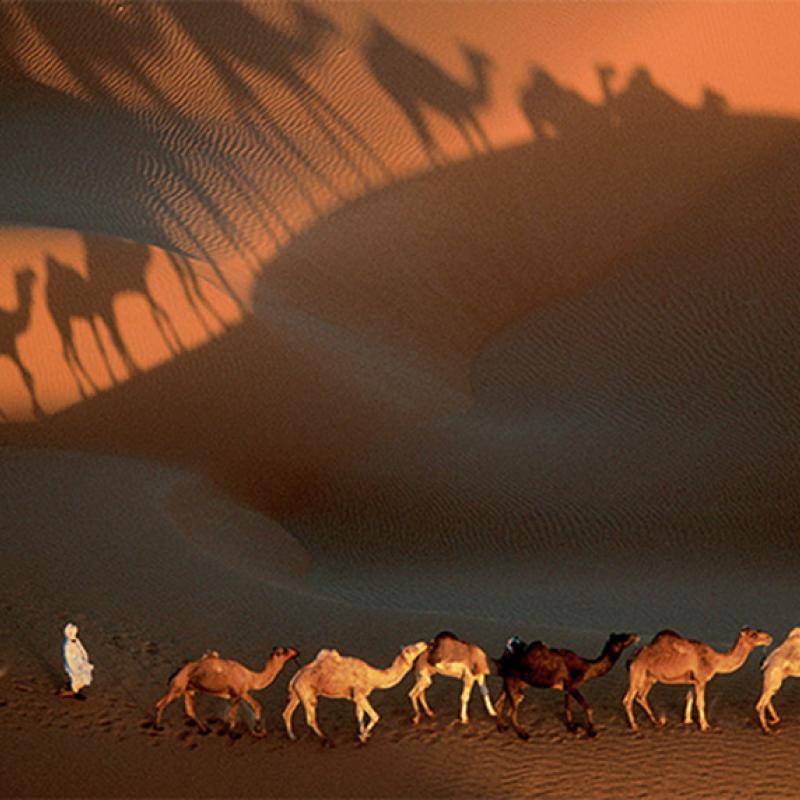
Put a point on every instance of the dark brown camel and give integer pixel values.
(540, 666)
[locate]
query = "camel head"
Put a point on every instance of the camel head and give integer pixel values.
(411, 652)
(617, 642)
(479, 61)
(284, 653)
(755, 638)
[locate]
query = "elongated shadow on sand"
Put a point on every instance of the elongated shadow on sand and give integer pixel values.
(640, 109)
(216, 29)
(12, 325)
(553, 417)
(115, 268)
(129, 35)
(417, 85)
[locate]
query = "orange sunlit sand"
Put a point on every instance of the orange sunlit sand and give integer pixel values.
(339, 325)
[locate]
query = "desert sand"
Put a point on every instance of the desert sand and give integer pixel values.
(341, 324)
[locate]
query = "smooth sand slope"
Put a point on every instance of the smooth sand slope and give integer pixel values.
(148, 590)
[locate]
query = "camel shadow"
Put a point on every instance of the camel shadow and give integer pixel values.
(115, 268)
(587, 350)
(13, 324)
(416, 84)
(640, 109)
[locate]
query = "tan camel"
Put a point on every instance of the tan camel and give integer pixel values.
(455, 658)
(783, 662)
(669, 658)
(343, 677)
(225, 678)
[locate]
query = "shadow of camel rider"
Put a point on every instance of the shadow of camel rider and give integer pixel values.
(554, 111)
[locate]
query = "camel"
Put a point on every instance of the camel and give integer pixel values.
(669, 658)
(448, 655)
(783, 662)
(538, 665)
(414, 82)
(13, 323)
(333, 675)
(225, 678)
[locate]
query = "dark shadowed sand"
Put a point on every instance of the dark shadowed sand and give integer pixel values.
(316, 335)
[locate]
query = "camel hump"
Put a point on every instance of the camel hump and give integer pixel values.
(435, 654)
(329, 653)
(667, 633)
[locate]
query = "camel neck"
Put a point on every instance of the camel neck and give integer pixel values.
(480, 89)
(264, 678)
(732, 659)
(602, 664)
(392, 675)
(24, 297)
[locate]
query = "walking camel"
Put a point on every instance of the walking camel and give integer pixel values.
(13, 323)
(540, 666)
(669, 658)
(225, 678)
(448, 655)
(333, 675)
(783, 662)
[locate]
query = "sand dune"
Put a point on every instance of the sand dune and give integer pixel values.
(146, 595)
(337, 325)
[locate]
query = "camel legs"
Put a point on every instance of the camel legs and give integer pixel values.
(638, 690)
(513, 691)
(188, 704)
(466, 691)
(288, 712)
(644, 693)
(627, 702)
(163, 703)
(310, 707)
(232, 712)
(256, 708)
(363, 706)
(687, 712)
(700, 698)
(498, 707)
(587, 710)
(417, 695)
(765, 704)
(487, 701)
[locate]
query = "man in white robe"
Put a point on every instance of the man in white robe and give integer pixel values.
(76, 661)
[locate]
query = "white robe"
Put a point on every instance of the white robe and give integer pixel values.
(76, 663)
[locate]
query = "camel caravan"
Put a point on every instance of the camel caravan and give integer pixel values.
(668, 658)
